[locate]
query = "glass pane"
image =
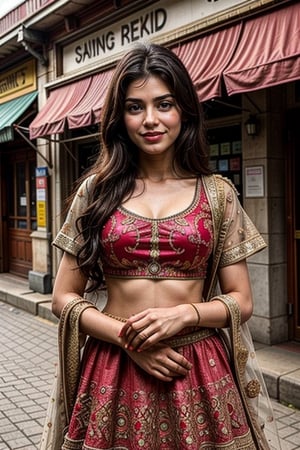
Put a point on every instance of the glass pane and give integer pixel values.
(21, 190)
(22, 224)
(11, 190)
(32, 190)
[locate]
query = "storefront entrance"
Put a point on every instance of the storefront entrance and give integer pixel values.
(19, 210)
(293, 215)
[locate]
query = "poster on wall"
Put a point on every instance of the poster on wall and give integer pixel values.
(254, 181)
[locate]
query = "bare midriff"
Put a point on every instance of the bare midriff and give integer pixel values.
(130, 296)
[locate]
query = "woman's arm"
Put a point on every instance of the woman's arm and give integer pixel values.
(71, 283)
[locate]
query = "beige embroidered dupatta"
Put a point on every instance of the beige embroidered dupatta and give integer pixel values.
(63, 393)
(235, 238)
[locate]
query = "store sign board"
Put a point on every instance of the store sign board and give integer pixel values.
(162, 17)
(18, 81)
(41, 174)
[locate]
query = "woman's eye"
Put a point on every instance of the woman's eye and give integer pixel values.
(133, 108)
(165, 105)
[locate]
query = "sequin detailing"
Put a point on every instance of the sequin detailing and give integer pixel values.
(177, 246)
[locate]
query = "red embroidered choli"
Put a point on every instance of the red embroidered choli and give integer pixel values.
(177, 246)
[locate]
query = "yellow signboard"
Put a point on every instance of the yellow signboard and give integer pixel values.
(18, 81)
(41, 214)
(297, 234)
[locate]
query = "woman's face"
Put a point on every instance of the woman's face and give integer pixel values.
(152, 117)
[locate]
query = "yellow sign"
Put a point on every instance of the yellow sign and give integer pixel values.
(18, 81)
(297, 234)
(41, 214)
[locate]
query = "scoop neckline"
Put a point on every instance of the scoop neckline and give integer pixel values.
(190, 207)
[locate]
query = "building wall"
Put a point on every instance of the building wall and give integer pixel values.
(268, 268)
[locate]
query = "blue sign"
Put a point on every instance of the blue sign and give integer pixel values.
(41, 171)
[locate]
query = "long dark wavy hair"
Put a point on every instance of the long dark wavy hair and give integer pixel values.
(117, 166)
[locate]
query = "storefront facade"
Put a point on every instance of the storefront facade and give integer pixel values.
(245, 65)
(18, 93)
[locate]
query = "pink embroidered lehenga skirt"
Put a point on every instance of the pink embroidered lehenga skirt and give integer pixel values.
(120, 406)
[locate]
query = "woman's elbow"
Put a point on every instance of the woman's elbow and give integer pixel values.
(56, 307)
(247, 310)
(58, 302)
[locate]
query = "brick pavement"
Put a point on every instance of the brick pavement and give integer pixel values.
(27, 365)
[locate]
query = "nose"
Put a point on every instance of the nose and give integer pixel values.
(150, 118)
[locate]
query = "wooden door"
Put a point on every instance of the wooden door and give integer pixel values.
(21, 207)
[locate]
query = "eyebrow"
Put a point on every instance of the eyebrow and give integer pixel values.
(161, 97)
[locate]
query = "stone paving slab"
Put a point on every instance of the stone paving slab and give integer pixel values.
(15, 291)
(289, 390)
(281, 370)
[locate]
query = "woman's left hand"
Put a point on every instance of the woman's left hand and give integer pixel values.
(151, 326)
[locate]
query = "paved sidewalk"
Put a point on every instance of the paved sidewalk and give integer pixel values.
(27, 367)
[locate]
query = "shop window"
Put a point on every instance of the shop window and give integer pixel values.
(223, 117)
(225, 145)
(21, 194)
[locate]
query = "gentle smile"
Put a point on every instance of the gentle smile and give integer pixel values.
(153, 134)
(153, 137)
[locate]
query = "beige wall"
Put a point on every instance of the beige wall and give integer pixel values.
(268, 268)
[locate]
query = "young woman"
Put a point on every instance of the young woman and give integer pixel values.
(150, 221)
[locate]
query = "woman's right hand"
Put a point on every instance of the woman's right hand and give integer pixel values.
(161, 362)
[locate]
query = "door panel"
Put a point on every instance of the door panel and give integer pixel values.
(20, 252)
(21, 199)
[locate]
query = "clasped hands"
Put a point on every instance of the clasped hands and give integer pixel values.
(142, 336)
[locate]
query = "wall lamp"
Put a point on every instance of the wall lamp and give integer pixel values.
(252, 125)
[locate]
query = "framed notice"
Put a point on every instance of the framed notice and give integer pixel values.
(214, 150)
(225, 148)
(236, 179)
(213, 165)
(235, 164)
(223, 165)
(254, 181)
(236, 147)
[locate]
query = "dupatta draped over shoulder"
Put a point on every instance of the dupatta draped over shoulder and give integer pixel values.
(236, 238)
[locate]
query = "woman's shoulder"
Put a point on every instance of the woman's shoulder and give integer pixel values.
(220, 182)
(85, 185)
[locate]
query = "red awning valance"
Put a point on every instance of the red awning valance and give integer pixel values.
(74, 105)
(207, 57)
(268, 53)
